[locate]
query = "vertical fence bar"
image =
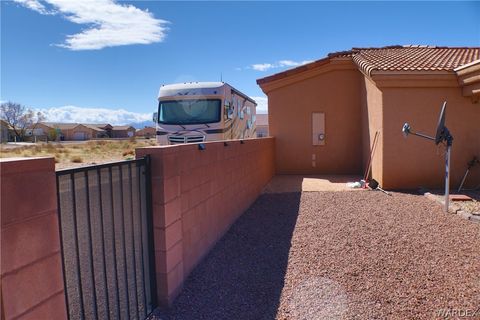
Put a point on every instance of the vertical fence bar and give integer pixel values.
(75, 230)
(142, 245)
(90, 246)
(120, 170)
(149, 216)
(145, 232)
(59, 212)
(113, 242)
(130, 180)
(102, 227)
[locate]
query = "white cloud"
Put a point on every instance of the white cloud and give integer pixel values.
(278, 64)
(109, 23)
(262, 104)
(262, 66)
(34, 5)
(93, 115)
(290, 63)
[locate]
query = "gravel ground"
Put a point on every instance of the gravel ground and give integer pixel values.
(338, 255)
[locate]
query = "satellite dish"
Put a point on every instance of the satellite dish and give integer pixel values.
(441, 133)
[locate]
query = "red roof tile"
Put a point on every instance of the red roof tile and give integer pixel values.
(394, 58)
(414, 58)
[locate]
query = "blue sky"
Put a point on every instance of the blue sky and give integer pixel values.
(104, 61)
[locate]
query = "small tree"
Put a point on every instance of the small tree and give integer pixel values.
(52, 134)
(20, 118)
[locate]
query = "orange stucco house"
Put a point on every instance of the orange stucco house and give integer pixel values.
(324, 115)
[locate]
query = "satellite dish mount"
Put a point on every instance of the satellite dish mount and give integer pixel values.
(442, 134)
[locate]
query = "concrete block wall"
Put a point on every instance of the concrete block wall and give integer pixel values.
(197, 195)
(31, 268)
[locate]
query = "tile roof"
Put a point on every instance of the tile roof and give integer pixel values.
(93, 127)
(122, 128)
(59, 125)
(394, 58)
(413, 58)
(98, 125)
(68, 126)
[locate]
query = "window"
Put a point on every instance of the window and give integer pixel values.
(189, 111)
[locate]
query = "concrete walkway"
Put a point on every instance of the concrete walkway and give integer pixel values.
(309, 183)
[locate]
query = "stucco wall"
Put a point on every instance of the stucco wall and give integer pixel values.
(197, 195)
(414, 162)
(333, 92)
(372, 122)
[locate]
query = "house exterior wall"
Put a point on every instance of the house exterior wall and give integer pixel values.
(148, 132)
(4, 133)
(123, 133)
(41, 132)
(334, 90)
(413, 162)
(372, 122)
(69, 134)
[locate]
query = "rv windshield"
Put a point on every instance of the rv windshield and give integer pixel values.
(189, 111)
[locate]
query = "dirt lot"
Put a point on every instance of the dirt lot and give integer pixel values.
(338, 255)
(71, 154)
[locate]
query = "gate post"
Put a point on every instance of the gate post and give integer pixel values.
(167, 223)
(32, 282)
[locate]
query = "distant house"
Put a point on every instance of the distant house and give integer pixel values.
(77, 131)
(74, 131)
(39, 132)
(147, 132)
(262, 125)
(123, 131)
(5, 132)
(104, 126)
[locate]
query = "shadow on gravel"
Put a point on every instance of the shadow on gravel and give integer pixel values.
(243, 276)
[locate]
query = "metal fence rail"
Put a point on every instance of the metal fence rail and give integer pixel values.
(107, 240)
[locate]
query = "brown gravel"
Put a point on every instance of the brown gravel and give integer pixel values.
(338, 255)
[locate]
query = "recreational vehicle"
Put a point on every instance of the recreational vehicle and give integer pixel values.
(203, 111)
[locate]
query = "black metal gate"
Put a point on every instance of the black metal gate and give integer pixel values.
(107, 240)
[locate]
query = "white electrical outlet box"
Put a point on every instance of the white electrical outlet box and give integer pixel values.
(318, 128)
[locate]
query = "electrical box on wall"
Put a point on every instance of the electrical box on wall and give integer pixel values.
(318, 128)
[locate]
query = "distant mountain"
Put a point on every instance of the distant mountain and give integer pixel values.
(142, 124)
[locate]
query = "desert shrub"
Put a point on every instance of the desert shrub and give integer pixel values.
(128, 152)
(101, 142)
(76, 159)
(37, 149)
(50, 147)
(52, 134)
